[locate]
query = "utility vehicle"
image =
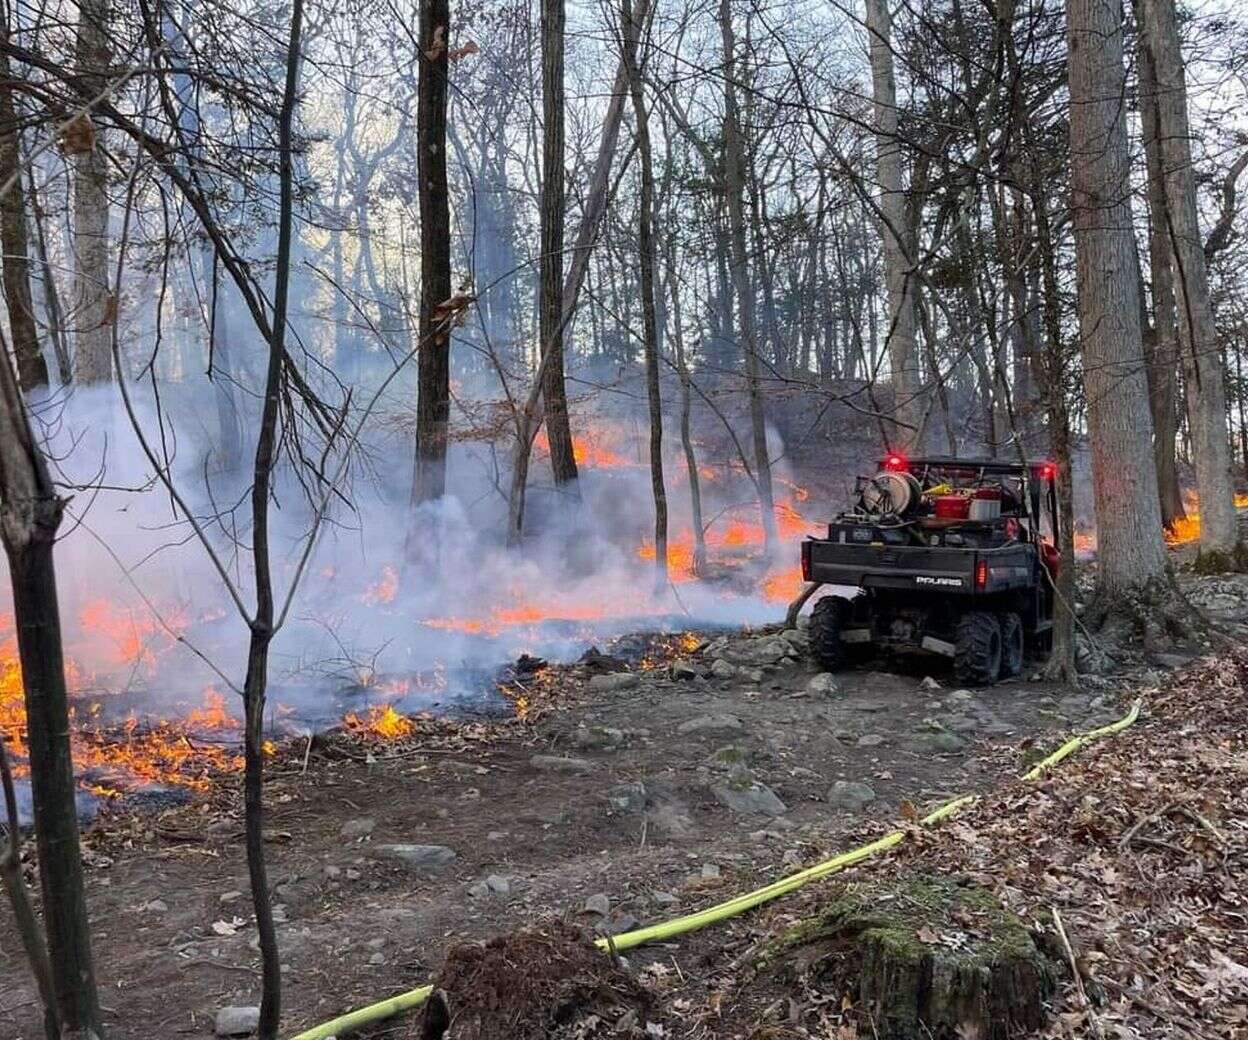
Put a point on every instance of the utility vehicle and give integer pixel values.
(948, 556)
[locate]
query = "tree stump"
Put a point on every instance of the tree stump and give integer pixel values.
(926, 959)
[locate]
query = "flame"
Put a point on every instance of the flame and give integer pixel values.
(385, 589)
(1187, 528)
(381, 721)
(588, 450)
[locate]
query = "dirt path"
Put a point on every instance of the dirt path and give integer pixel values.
(644, 796)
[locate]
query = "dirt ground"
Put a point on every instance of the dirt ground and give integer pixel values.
(611, 808)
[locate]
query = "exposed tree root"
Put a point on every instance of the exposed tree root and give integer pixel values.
(1155, 615)
(1215, 561)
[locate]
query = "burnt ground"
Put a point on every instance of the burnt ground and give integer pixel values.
(622, 814)
(162, 886)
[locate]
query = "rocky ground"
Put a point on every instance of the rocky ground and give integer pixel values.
(634, 791)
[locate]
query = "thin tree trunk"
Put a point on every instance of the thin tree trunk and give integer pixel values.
(1202, 360)
(734, 184)
(550, 263)
(1131, 552)
(631, 32)
(32, 369)
(255, 683)
(30, 514)
(433, 366)
(686, 435)
(898, 247)
(94, 309)
(53, 312)
(1161, 346)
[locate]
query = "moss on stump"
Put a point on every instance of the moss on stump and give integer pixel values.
(927, 959)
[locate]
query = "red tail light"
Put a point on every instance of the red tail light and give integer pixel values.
(805, 561)
(1047, 470)
(981, 574)
(895, 462)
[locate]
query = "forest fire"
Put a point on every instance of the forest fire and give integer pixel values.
(1187, 528)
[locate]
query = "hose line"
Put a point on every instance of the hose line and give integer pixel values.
(738, 905)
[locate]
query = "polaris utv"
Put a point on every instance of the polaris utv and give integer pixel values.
(948, 557)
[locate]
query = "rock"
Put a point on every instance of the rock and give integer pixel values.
(709, 871)
(478, 890)
(749, 797)
(360, 827)
(751, 675)
(599, 903)
(851, 796)
(377, 958)
(156, 906)
(929, 683)
(872, 740)
(421, 858)
(823, 685)
(623, 923)
(721, 723)
(597, 738)
(722, 669)
(771, 651)
(610, 682)
(959, 696)
(663, 899)
(237, 1021)
(686, 671)
(627, 798)
(944, 742)
(560, 764)
(498, 884)
(796, 638)
(234, 894)
(594, 660)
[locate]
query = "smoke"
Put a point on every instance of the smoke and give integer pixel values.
(416, 607)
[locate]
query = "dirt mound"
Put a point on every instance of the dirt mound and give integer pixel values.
(547, 981)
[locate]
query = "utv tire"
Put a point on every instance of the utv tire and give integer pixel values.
(977, 656)
(827, 617)
(1011, 646)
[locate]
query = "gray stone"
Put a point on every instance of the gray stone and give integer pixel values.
(823, 685)
(872, 740)
(752, 675)
(722, 669)
(623, 923)
(686, 670)
(377, 958)
(710, 870)
(959, 696)
(663, 898)
(627, 798)
(610, 682)
(944, 742)
(499, 884)
(598, 737)
(599, 903)
(749, 798)
(560, 764)
(360, 827)
(478, 890)
(422, 858)
(929, 683)
(854, 797)
(720, 723)
(156, 906)
(237, 1021)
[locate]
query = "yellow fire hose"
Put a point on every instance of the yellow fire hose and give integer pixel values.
(732, 907)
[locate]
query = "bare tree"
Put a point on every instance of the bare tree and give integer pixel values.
(1202, 359)
(630, 31)
(94, 307)
(1131, 552)
(550, 263)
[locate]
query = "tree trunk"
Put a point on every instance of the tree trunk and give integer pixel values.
(433, 366)
(1161, 347)
(686, 435)
(1202, 360)
(1131, 552)
(30, 514)
(32, 369)
(550, 263)
(898, 247)
(53, 312)
(94, 307)
(631, 31)
(734, 184)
